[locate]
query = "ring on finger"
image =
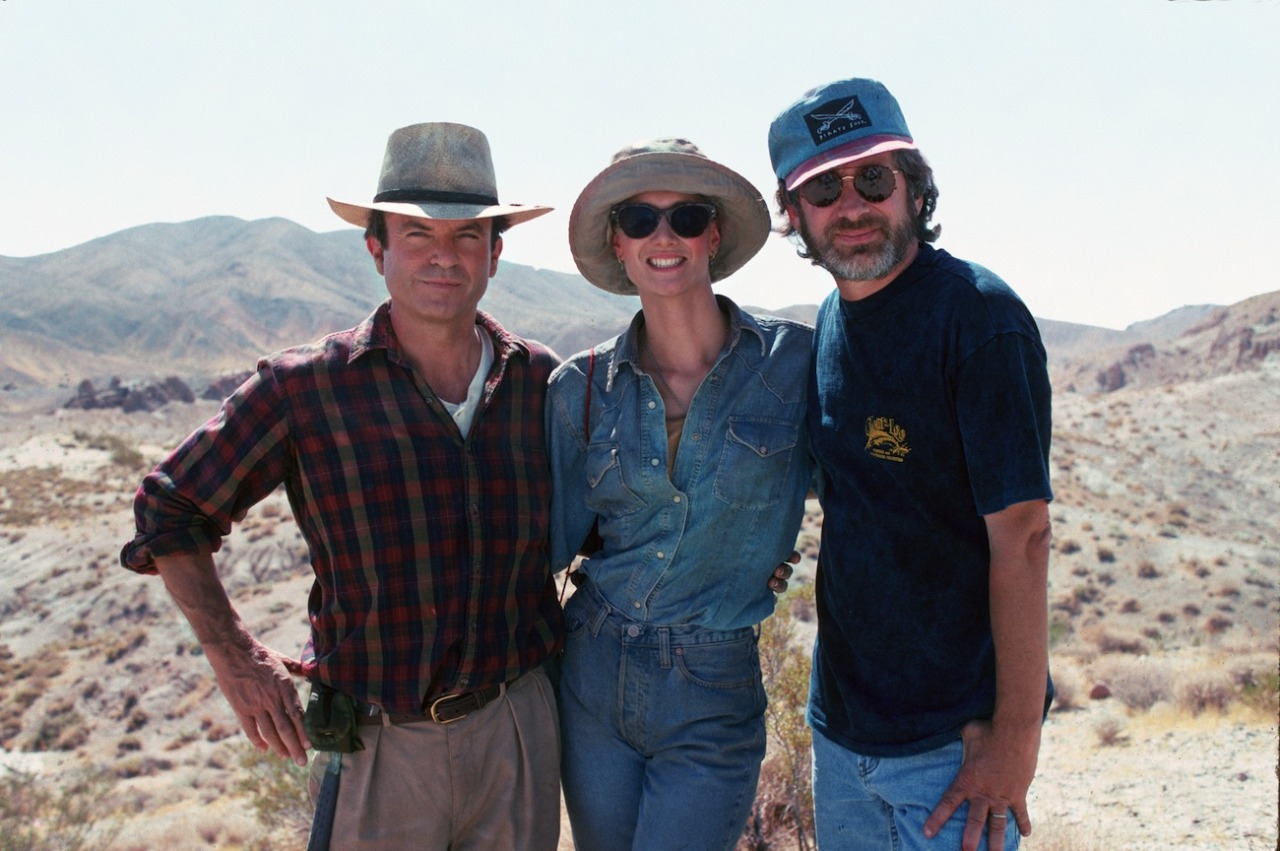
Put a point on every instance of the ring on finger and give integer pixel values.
(998, 815)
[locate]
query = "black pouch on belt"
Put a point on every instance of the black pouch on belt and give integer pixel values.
(330, 720)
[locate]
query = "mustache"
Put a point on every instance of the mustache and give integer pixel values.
(869, 220)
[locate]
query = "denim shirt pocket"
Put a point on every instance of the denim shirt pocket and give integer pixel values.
(756, 460)
(609, 495)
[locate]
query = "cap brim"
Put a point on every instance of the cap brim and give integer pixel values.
(844, 154)
(358, 214)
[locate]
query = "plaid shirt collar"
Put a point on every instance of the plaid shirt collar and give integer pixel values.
(377, 332)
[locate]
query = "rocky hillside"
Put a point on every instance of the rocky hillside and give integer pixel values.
(209, 296)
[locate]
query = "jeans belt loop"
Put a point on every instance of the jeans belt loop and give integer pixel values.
(664, 646)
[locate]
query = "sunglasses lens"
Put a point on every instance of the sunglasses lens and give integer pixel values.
(875, 183)
(637, 220)
(690, 220)
(823, 190)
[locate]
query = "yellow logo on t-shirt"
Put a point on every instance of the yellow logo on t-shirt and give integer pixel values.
(886, 439)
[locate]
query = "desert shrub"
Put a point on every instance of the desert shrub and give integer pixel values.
(277, 790)
(1261, 692)
(1201, 691)
(783, 807)
(1059, 628)
(1147, 570)
(1137, 683)
(1068, 546)
(1109, 730)
(75, 813)
(1066, 692)
(1106, 555)
(1109, 640)
(1217, 624)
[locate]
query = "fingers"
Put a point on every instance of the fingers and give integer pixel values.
(1022, 817)
(947, 805)
(781, 573)
(281, 729)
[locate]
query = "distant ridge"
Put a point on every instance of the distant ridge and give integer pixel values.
(207, 297)
(212, 295)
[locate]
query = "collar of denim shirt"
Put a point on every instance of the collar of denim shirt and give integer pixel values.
(627, 351)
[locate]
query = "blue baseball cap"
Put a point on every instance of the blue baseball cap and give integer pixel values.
(835, 124)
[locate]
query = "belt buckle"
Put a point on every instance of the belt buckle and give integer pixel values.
(443, 699)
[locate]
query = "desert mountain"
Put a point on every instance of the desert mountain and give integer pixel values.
(205, 297)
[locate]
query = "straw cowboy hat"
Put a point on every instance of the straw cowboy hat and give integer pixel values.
(437, 171)
(665, 165)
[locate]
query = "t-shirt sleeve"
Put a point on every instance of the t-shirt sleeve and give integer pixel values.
(1004, 411)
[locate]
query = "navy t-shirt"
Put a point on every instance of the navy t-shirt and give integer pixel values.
(929, 407)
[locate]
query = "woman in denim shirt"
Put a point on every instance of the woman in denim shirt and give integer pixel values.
(682, 442)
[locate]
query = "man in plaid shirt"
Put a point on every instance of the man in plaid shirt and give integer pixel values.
(411, 448)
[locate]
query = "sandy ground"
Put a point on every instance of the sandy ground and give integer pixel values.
(1167, 779)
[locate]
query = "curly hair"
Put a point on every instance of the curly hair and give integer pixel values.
(920, 185)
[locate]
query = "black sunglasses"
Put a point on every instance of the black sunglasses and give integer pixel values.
(874, 183)
(688, 219)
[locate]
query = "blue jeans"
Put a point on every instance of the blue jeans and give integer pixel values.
(876, 803)
(662, 730)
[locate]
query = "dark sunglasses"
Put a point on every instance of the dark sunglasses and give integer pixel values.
(688, 219)
(874, 183)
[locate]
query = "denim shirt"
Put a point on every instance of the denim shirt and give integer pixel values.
(697, 547)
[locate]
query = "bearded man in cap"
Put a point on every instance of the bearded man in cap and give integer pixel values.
(929, 415)
(412, 451)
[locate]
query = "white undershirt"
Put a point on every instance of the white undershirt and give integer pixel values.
(465, 411)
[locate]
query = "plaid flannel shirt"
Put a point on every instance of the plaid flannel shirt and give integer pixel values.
(429, 550)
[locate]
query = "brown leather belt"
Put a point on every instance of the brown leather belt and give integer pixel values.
(442, 710)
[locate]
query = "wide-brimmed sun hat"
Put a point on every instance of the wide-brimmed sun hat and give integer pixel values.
(665, 165)
(437, 170)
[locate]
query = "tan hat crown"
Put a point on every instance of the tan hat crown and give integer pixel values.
(437, 170)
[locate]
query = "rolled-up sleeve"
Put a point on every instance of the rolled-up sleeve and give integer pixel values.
(189, 502)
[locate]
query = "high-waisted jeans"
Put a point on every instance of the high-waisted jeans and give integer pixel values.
(662, 730)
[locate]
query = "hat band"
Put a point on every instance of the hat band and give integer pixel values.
(419, 195)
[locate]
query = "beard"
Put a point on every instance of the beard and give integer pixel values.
(868, 262)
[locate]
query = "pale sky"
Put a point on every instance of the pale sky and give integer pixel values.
(1111, 159)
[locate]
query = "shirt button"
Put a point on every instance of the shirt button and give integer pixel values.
(764, 450)
(633, 630)
(635, 604)
(676, 499)
(697, 436)
(661, 554)
(652, 404)
(653, 462)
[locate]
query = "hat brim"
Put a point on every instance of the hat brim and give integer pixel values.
(741, 213)
(836, 157)
(358, 214)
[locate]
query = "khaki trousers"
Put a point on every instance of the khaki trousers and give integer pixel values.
(489, 781)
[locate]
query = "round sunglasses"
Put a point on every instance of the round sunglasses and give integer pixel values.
(874, 183)
(688, 219)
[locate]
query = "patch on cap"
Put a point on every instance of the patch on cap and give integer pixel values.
(835, 118)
